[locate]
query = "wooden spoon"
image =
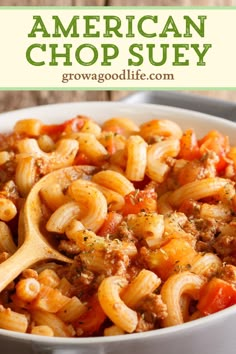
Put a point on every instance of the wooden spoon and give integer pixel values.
(36, 246)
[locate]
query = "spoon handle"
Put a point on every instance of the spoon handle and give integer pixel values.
(24, 257)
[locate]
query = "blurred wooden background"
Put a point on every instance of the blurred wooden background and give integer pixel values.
(10, 100)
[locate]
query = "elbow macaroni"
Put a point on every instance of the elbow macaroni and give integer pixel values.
(147, 227)
(109, 296)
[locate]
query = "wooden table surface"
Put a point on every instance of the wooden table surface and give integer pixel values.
(10, 100)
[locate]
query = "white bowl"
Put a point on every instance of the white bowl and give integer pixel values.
(214, 334)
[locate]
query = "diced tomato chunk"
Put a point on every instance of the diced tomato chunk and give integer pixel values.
(177, 253)
(82, 159)
(190, 172)
(53, 129)
(216, 295)
(111, 223)
(72, 125)
(189, 149)
(140, 200)
(75, 124)
(90, 322)
(110, 144)
(217, 142)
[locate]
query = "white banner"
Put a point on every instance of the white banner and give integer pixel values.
(117, 48)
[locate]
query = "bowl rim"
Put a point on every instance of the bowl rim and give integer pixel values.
(119, 104)
(162, 332)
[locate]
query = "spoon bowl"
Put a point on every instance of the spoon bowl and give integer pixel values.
(35, 246)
